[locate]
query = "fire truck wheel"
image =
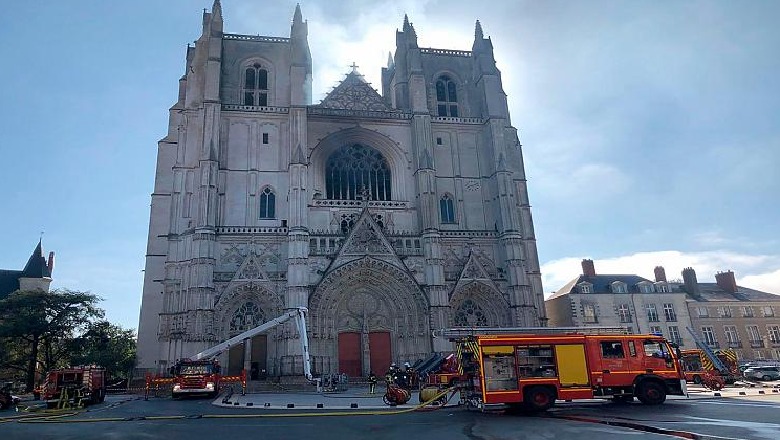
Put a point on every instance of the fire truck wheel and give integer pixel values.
(651, 392)
(696, 378)
(539, 399)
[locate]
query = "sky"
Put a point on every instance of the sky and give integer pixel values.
(649, 127)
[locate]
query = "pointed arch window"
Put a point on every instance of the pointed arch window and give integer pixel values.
(267, 203)
(447, 209)
(357, 172)
(255, 90)
(446, 97)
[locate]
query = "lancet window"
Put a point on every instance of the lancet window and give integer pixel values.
(255, 85)
(446, 97)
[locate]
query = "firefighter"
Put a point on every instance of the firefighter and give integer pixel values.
(400, 378)
(389, 376)
(372, 380)
(411, 375)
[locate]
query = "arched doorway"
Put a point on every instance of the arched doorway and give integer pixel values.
(243, 307)
(366, 314)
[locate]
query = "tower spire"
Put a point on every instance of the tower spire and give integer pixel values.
(298, 16)
(478, 35)
(406, 23)
(216, 9)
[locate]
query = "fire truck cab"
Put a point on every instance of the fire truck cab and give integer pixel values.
(532, 371)
(196, 377)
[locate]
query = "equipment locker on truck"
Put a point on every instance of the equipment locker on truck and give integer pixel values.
(532, 370)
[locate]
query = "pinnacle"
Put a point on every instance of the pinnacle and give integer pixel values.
(478, 35)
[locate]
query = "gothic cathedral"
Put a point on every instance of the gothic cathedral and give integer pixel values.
(387, 215)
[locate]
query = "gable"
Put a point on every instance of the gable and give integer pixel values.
(366, 238)
(354, 93)
(251, 269)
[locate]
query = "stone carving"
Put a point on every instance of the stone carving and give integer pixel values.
(233, 254)
(366, 238)
(472, 185)
(478, 304)
(246, 317)
(397, 289)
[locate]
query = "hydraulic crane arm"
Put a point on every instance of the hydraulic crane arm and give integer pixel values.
(298, 313)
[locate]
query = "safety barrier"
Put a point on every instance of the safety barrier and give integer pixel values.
(157, 383)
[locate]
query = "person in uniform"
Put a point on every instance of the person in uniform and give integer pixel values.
(372, 380)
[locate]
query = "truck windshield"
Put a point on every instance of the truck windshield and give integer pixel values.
(187, 370)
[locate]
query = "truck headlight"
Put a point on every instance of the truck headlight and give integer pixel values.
(176, 387)
(209, 385)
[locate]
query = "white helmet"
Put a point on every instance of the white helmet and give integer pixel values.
(406, 364)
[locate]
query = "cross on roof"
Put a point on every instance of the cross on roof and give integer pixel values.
(354, 67)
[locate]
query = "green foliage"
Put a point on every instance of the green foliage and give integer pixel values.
(36, 325)
(106, 345)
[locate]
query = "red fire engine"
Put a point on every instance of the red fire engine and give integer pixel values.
(196, 377)
(531, 370)
(200, 374)
(75, 386)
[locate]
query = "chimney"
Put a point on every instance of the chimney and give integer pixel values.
(50, 263)
(691, 284)
(660, 274)
(588, 269)
(726, 281)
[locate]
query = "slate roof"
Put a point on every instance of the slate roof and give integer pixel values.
(9, 282)
(36, 267)
(601, 284)
(708, 291)
(713, 292)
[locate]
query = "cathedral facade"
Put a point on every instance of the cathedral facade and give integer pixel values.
(387, 215)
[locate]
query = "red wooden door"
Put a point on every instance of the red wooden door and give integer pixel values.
(381, 355)
(349, 354)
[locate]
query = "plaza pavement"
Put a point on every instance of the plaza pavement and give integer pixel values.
(358, 398)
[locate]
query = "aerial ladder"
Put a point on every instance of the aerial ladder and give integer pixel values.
(724, 371)
(209, 375)
(297, 313)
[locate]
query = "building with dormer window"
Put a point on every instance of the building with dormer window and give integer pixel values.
(624, 300)
(387, 214)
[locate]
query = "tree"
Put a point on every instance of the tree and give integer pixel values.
(43, 321)
(106, 345)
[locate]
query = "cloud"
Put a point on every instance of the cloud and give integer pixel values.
(761, 272)
(768, 282)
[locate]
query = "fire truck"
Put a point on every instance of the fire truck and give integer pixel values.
(201, 373)
(74, 387)
(196, 377)
(533, 368)
(698, 365)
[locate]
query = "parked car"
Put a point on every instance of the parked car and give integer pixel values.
(762, 373)
(7, 399)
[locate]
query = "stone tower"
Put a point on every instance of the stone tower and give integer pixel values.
(387, 215)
